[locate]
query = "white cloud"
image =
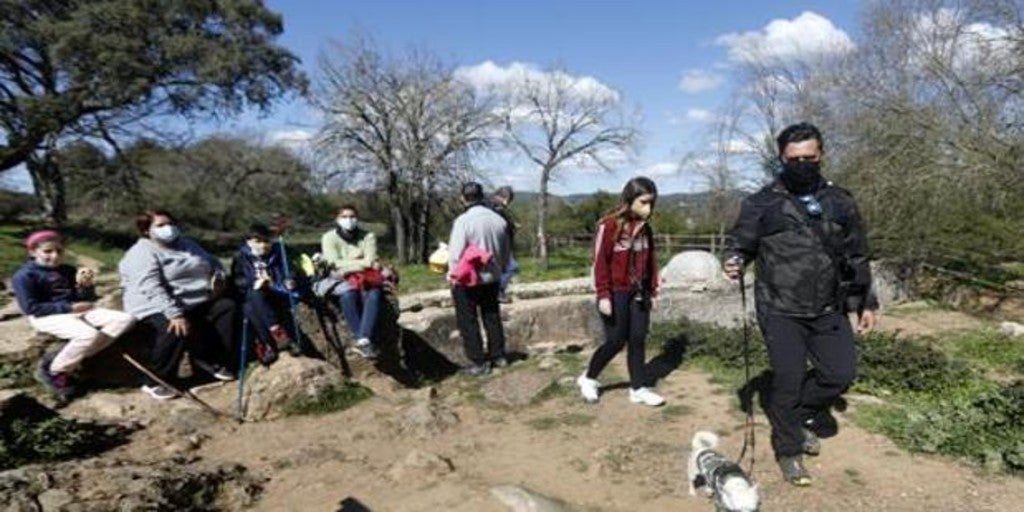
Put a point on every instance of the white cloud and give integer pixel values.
(696, 81)
(293, 139)
(734, 147)
(944, 34)
(806, 36)
(488, 76)
(659, 169)
(699, 114)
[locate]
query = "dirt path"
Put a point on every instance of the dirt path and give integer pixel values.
(611, 456)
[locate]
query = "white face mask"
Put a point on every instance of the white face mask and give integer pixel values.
(347, 223)
(167, 233)
(257, 250)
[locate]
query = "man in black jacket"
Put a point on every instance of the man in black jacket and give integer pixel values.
(809, 249)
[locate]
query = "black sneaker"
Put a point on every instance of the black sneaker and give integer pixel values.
(499, 362)
(58, 384)
(822, 424)
(794, 472)
(812, 445)
(476, 370)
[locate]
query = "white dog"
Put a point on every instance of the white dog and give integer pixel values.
(721, 478)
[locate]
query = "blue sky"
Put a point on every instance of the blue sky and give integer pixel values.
(643, 49)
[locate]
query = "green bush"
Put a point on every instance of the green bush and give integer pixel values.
(337, 398)
(724, 345)
(54, 439)
(984, 427)
(13, 375)
(890, 364)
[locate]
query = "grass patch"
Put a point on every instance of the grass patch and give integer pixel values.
(676, 411)
(990, 349)
(15, 375)
(55, 439)
(337, 398)
(562, 264)
(572, 419)
(108, 251)
(572, 363)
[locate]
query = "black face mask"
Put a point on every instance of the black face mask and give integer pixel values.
(801, 177)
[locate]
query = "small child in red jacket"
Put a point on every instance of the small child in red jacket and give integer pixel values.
(626, 280)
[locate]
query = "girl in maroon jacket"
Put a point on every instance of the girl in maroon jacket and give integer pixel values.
(626, 279)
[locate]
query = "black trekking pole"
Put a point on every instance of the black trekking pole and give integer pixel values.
(748, 434)
(332, 337)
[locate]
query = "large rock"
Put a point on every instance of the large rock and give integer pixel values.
(694, 269)
(426, 419)
(19, 343)
(419, 466)
(517, 388)
(518, 499)
(268, 390)
(101, 485)
(1012, 329)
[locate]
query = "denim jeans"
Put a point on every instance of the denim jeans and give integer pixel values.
(360, 309)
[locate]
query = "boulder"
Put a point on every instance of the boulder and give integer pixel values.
(517, 388)
(426, 419)
(419, 466)
(268, 390)
(1012, 329)
(518, 499)
(694, 269)
(96, 484)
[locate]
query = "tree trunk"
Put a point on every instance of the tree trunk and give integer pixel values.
(50, 187)
(398, 228)
(423, 233)
(542, 217)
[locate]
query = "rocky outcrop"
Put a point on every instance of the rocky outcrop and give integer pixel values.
(102, 485)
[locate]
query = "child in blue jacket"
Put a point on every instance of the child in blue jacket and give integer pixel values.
(258, 274)
(58, 300)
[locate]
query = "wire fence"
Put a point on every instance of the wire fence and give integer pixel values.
(666, 244)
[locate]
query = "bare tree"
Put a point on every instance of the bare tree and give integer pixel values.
(923, 120)
(555, 119)
(403, 125)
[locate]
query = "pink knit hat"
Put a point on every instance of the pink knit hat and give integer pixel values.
(36, 238)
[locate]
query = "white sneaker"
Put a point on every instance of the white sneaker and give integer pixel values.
(646, 396)
(588, 388)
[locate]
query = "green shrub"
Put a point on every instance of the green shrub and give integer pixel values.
(337, 398)
(889, 363)
(13, 375)
(984, 428)
(55, 439)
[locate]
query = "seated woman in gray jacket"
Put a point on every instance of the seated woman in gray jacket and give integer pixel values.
(172, 286)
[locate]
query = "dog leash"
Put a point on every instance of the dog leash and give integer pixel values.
(748, 433)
